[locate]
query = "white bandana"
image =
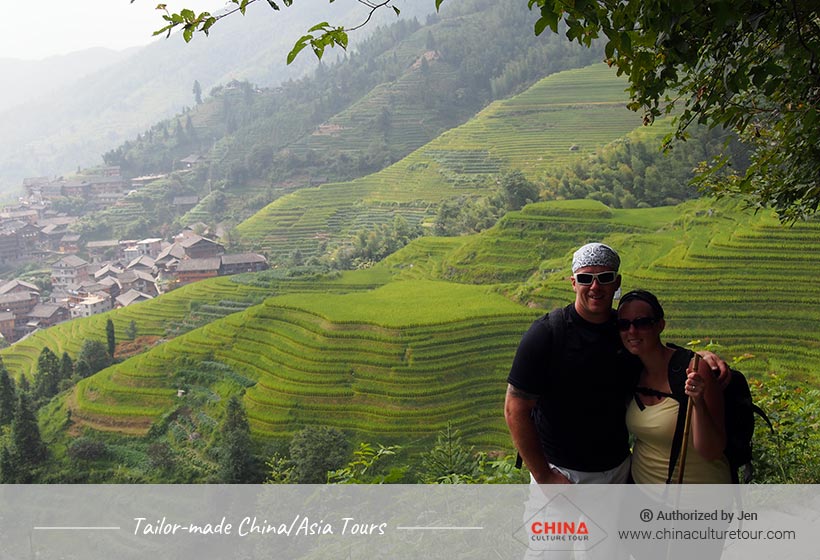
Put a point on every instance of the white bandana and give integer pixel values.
(595, 254)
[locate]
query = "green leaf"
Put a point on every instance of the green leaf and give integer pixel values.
(297, 48)
(626, 43)
(810, 118)
(609, 50)
(340, 38)
(206, 26)
(318, 49)
(319, 27)
(273, 5)
(398, 11)
(549, 18)
(438, 4)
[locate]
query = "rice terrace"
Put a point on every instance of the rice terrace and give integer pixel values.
(409, 351)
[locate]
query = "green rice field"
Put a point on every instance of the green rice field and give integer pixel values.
(408, 350)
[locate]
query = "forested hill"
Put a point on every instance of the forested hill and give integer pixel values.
(74, 124)
(400, 88)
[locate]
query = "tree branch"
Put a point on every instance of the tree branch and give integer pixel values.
(373, 8)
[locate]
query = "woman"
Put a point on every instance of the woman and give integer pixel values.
(652, 418)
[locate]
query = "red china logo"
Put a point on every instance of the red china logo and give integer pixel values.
(559, 528)
(556, 523)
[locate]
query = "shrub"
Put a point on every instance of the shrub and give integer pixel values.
(790, 455)
(87, 449)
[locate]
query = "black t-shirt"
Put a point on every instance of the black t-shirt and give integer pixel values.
(580, 415)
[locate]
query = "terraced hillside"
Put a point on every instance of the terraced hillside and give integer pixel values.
(179, 311)
(513, 250)
(544, 127)
(718, 270)
(394, 363)
(155, 318)
(393, 113)
(731, 286)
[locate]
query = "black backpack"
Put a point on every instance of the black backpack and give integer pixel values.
(739, 416)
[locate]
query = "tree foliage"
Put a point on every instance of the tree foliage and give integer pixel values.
(8, 467)
(370, 246)
(47, 378)
(468, 214)
(318, 37)
(518, 190)
(631, 173)
(86, 449)
(789, 456)
(747, 65)
(131, 330)
(28, 449)
(197, 91)
(448, 460)
(66, 366)
(111, 338)
(7, 397)
(94, 356)
(235, 456)
(317, 450)
(366, 467)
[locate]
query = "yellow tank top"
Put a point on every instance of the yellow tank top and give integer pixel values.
(654, 428)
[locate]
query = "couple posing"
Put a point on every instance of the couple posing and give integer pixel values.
(571, 399)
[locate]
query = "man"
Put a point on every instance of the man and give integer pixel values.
(566, 399)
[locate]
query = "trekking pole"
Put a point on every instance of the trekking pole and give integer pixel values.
(687, 426)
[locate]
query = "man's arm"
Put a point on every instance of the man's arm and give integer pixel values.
(518, 406)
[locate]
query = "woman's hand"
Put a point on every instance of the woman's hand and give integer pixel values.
(695, 386)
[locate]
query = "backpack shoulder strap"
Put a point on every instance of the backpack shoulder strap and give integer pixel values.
(558, 326)
(677, 380)
(677, 370)
(760, 412)
(556, 320)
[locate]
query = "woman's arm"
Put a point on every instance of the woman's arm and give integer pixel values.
(708, 428)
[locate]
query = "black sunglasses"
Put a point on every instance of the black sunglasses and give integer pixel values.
(639, 323)
(587, 278)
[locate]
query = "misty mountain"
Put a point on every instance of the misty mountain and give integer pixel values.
(31, 79)
(73, 125)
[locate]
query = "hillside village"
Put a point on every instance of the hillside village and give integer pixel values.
(91, 277)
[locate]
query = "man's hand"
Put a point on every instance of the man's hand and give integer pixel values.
(718, 366)
(556, 477)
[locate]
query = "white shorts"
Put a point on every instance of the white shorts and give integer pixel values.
(618, 475)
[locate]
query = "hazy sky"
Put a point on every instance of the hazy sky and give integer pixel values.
(35, 29)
